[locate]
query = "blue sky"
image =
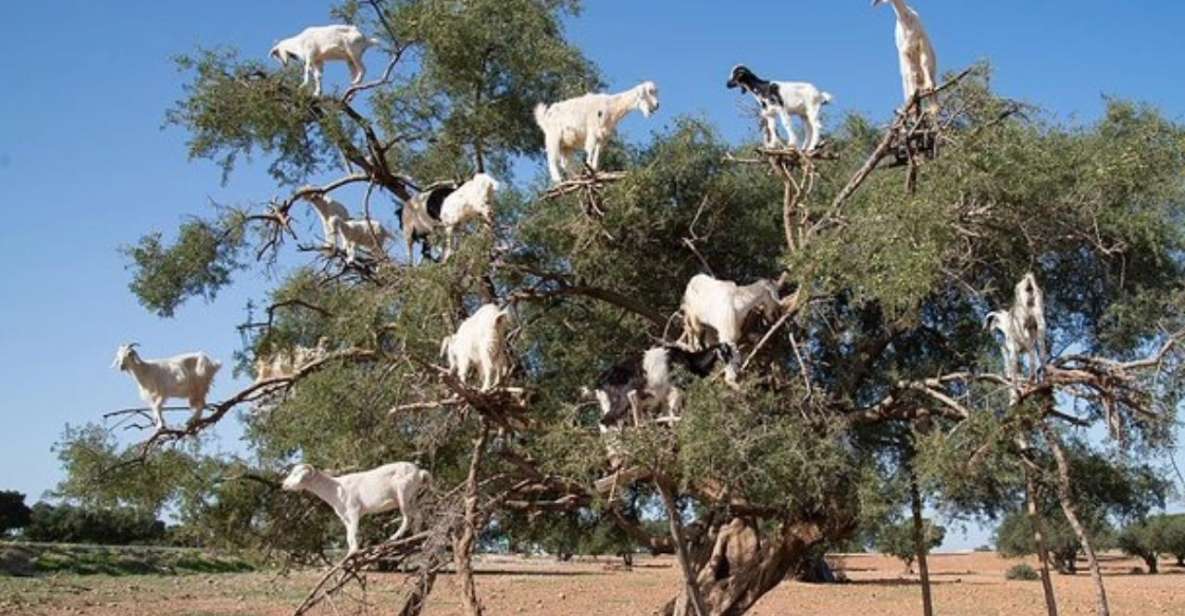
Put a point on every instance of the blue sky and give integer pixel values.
(88, 168)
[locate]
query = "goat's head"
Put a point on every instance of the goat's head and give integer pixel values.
(279, 54)
(741, 77)
(647, 98)
(125, 355)
(998, 320)
(297, 478)
(1027, 291)
(487, 183)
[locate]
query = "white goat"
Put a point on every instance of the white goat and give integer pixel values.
(421, 215)
(783, 99)
(317, 44)
(473, 199)
(391, 486)
(1023, 328)
(369, 234)
(187, 376)
(327, 208)
(589, 122)
(919, 65)
(724, 306)
(480, 339)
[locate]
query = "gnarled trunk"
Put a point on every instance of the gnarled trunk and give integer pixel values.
(463, 542)
(742, 567)
(1031, 496)
(919, 542)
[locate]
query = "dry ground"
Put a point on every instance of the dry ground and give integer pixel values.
(965, 584)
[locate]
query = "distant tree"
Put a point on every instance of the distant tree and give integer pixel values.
(897, 540)
(1154, 537)
(14, 514)
(1173, 537)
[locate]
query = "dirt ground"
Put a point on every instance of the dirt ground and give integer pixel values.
(965, 584)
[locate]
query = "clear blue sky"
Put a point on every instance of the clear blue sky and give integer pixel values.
(87, 167)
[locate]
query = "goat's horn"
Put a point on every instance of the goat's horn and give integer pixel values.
(132, 345)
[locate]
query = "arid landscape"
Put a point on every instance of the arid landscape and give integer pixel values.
(969, 584)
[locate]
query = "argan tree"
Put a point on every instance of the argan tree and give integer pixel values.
(890, 245)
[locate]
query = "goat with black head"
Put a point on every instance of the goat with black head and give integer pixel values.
(645, 383)
(783, 99)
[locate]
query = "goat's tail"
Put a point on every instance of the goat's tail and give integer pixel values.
(374, 41)
(425, 479)
(540, 114)
(825, 97)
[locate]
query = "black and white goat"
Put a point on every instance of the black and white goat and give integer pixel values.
(783, 99)
(644, 383)
(421, 215)
(1023, 328)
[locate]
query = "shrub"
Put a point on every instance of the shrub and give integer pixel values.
(1022, 572)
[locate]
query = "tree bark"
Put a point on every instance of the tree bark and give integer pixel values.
(415, 602)
(463, 543)
(1031, 496)
(919, 542)
(1067, 503)
(689, 575)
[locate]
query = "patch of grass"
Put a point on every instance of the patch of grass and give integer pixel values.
(1022, 572)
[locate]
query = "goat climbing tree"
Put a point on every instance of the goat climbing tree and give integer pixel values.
(888, 270)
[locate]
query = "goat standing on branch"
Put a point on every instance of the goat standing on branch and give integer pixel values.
(187, 376)
(724, 306)
(1023, 328)
(317, 44)
(326, 209)
(369, 234)
(480, 339)
(473, 199)
(783, 99)
(391, 486)
(421, 215)
(919, 65)
(636, 386)
(588, 122)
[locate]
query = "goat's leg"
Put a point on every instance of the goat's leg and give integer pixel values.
(554, 155)
(308, 73)
(350, 519)
(812, 128)
(635, 407)
(592, 149)
(1042, 354)
(448, 243)
(791, 135)
(357, 70)
(770, 131)
(158, 416)
(197, 404)
(406, 504)
(318, 69)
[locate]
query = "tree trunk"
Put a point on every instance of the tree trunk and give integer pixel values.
(689, 576)
(1067, 503)
(415, 602)
(919, 541)
(1031, 495)
(1150, 560)
(463, 543)
(743, 568)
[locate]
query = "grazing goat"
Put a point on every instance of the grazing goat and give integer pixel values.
(589, 122)
(369, 234)
(474, 198)
(724, 306)
(480, 339)
(187, 376)
(421, 215)
(783, 99)
(317, 44)
(391, 486)
(1023, 327)
(919, 65)
(635, 385)
(327, 208)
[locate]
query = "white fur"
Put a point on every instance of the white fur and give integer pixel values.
(327, 208)
(588, 122)
(473, 199)
(315, 45)
(723, 306)
(187, 376)
(391, 486)
(480, 340)
(369, 234)
(799, 99)
(1023, 328)
(915, 53)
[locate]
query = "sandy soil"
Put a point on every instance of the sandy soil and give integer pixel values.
(965, 584)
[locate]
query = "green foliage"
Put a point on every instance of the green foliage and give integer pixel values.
(71, 524)
(897, 540)
(1022, 572)
(200, 262)
(32, 559)
(1153, 537)
(14, 513)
